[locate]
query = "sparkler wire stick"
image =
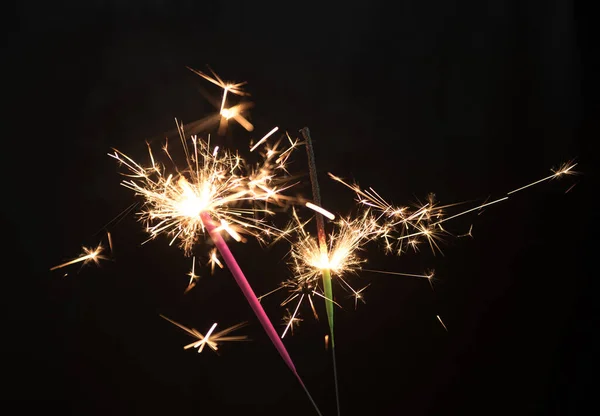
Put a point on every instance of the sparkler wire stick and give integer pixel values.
(327, 289)
(242, 282)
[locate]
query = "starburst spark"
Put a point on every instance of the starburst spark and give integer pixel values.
(215, 182)
(214, 261)
(226, 113)
(290, 320)
(211, 338)
(193, 276)
(89, 255)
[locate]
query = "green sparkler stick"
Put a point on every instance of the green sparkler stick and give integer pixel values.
(327, 289)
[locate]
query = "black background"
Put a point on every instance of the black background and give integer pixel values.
(467, 101)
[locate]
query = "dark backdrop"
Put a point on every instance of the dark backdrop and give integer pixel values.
(466, 100)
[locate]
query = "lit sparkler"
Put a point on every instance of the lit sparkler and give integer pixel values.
(216, 182)
(342, 252)
(341, 259)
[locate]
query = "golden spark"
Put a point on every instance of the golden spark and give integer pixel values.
(214, 260)
(290, 320)
(211, 339)
(89, 255)
(442, 322)
(226, 113)
(264, 138)
(193, 276)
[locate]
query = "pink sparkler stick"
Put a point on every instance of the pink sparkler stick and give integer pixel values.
(242, 282)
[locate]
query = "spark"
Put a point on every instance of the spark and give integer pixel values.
(229, 230)
(89, 255)
(200, 344)
(214, 260)
(564, 170)
(320, 210)
(234, 88)
(211, 339)
(235, 112)
(265, 137)
(110, 243)
(220, 119)
(193, 276)
(428, 276)
(225, 113)
(190, 287)
(442, 322)
(570, 187)
(468, 233)
(359, 296)
(290, 320)
(284, 155)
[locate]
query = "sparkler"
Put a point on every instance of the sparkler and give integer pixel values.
(342, 258)
(212, 181)
(392, 224)
(323, 255)
(207, 194)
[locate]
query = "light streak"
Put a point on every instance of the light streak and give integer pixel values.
(214, 260)
(291, 320)
(442, 322)
(265, 137)
(89, 255)
(320, 210)
(193, 276)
